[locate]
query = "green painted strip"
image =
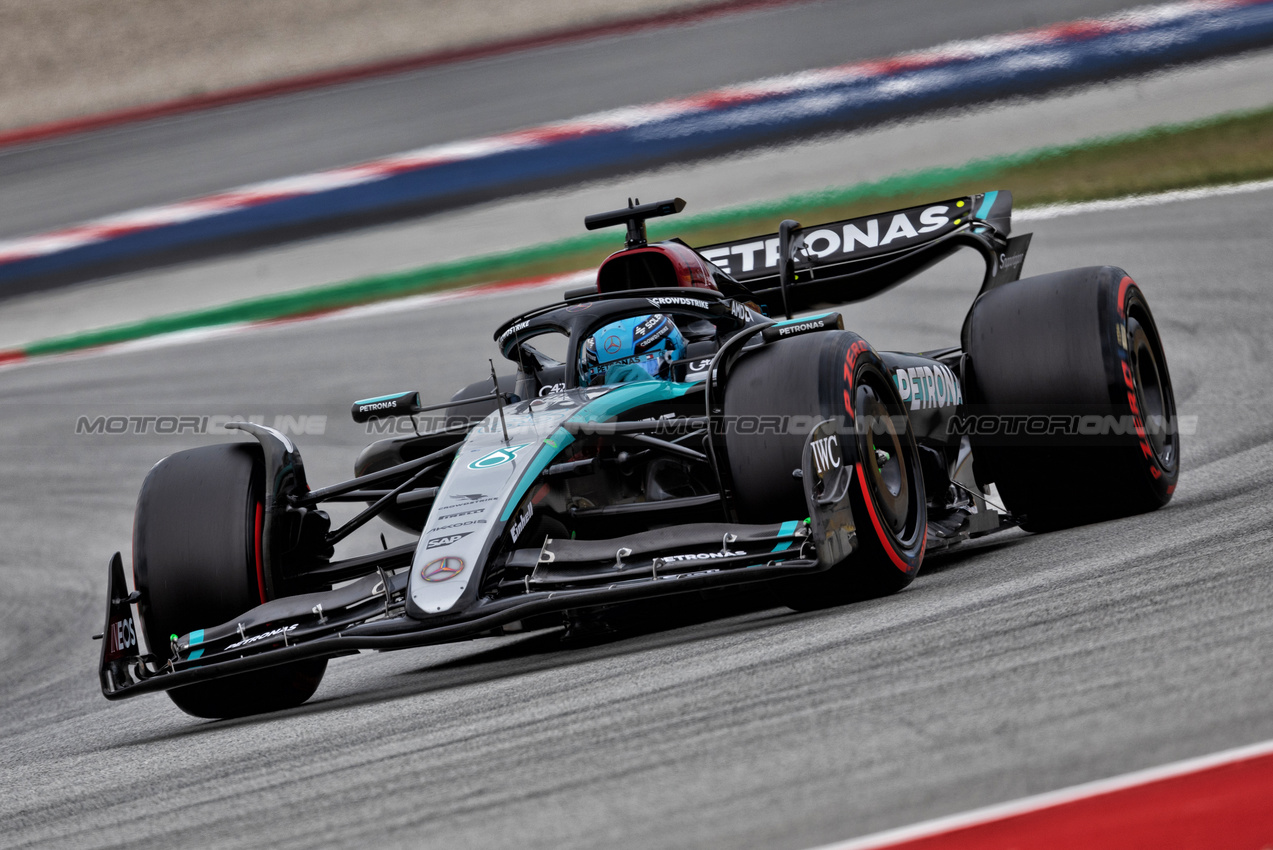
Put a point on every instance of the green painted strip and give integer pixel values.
(583, 250)
(350, 293)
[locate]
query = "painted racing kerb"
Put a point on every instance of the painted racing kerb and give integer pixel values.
(633, 137)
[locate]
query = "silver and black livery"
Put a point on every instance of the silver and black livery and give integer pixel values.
(782, 450)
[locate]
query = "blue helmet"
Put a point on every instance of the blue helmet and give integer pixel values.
(635, 349)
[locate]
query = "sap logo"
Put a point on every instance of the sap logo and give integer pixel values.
(826, 454)
(435, 542)
(927, 387)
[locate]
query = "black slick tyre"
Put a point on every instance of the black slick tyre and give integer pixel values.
(197, 562)
(1072, 368)
(837, 376)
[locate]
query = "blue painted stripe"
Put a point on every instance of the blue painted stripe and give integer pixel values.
(989, 202)
(843, 103)
(196, 637)
(198, 653)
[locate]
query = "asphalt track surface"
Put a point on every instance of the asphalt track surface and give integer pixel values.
(65, 181)
(1016, 666)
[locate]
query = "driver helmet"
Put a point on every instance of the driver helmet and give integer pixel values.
(636, 349)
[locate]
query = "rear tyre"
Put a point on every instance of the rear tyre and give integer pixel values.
(834, 376)
(197, 562)
(1077, 351)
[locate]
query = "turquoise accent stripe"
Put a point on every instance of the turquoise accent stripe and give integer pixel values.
(196, 638)
(626, 396)
(622, 397)
(787, 530)
(381, 398)
(986, 204)
(547, 453)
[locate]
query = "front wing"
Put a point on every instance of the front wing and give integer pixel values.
(370, 613)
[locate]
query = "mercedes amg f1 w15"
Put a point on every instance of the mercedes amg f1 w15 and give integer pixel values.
(711, 423)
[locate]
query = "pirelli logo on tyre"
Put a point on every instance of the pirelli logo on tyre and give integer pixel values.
(850, 366)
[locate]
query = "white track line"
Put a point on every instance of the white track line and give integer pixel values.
(718, 101)
(1132, 201)
(378, 308)
(581, 278)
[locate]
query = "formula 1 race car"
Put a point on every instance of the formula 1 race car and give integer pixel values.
(695, 434)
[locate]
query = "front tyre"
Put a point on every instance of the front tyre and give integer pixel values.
(835, 376)
(197, 561)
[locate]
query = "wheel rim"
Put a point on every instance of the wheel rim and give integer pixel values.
(1152, 396)
(886, 462)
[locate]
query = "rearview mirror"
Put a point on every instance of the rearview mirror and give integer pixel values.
(384, 406)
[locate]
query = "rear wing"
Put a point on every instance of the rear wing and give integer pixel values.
(801, 268)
